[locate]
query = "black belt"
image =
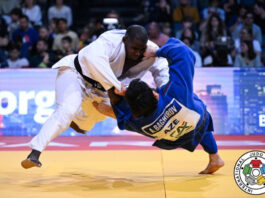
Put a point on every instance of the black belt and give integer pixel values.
(94, 83)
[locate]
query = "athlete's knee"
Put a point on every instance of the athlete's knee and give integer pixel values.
(65, 115)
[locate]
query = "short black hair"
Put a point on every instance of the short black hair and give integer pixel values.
(140, 98)
(61, 19)
(23, 16)
(137, 32)
(16, 11)
(67, 38)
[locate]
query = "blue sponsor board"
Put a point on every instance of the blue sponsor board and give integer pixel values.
(235, 98)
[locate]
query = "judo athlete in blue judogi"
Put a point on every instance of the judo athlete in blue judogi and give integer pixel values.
(172, 114)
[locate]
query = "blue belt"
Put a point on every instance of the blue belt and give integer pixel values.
(95, 84)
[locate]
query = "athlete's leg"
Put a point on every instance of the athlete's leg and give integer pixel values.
(215, 161)
(68, 103)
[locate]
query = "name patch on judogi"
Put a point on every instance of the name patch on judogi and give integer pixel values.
(175, 121)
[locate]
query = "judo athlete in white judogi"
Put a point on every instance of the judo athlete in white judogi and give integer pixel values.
(83, 80)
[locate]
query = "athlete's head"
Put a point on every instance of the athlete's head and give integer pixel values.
(135, 41)
(141, 99)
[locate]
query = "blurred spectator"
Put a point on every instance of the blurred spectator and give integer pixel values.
(248, 3)
(14, 61)
(53, 30)
(7, 5)
(67, 48)
(189, 33)
(166, 29)
(231, 9)
(59, 10)
(155, 34)
(3, 33)
(162, 12)
(213, 8)
(41, 57)
(248, 22)
(246, 35)
(176, 3)
(114, 15)
(45, 35)
(33, 12)
(3, 58)
(259, 16)
(62, 32)
(182, 11)
(189, 42)
(28, 34)
(213, 29)
(220, 56)
(247, 57)
(146, 7)
(15, 15)
(87, 35)
(187, 23)
(233, 22)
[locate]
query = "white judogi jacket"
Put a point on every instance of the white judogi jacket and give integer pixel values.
(103, 61)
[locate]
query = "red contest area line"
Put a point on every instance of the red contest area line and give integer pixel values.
(15, 143)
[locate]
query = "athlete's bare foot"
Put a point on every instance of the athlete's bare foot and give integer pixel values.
(215, 162)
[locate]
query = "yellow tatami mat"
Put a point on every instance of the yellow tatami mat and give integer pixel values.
(119, 174)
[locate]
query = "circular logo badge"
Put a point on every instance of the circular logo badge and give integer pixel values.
(249, 172)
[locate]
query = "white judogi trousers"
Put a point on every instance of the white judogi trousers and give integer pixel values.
(73, 103)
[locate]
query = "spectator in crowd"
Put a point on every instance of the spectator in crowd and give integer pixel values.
(214, 28)
(246, 35)
(189, 42)
(33, 11)
(233, 22)
(28, 34)
(230, 8)
(162, 12)
(59, 10)
(189, 33)
(187, 23)
(15, 15)
(41, 57)
(7, 5)
(221, 54)
(14, 61)
(45, 35)
(53, 30)
(176, 3)
(87, 35)
(155, 34)
(166, 29)
(3, 33)
(115, 15)
(248, 22)
(247, 57)
(259, 16)
(67, 45)
(182, 11)
(248, 3)
(62, 32)
(3, 58)
(213, 8)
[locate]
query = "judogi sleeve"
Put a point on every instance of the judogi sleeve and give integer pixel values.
(159, 71)
(95, 57)
(181, 65)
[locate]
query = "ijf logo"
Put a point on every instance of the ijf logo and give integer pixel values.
(249, 172)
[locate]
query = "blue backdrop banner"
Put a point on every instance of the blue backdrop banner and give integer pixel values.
(235, 98)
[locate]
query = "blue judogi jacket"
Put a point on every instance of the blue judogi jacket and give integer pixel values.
(180, 118)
